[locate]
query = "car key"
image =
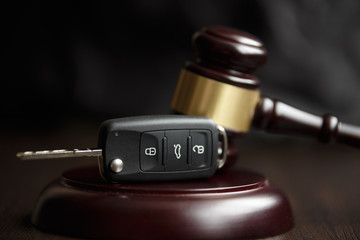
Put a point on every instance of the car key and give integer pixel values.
(153, 148)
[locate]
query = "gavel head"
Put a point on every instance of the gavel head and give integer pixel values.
(219, 84)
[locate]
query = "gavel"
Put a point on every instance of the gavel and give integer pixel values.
(220, 85)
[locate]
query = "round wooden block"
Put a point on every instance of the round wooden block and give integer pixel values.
(230, 205)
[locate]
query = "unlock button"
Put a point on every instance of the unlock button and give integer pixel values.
(200, 151)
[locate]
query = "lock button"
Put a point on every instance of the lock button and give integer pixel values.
(151, 151)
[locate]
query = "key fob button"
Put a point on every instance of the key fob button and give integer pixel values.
(176, 150)
(200, 150)
(151, 159)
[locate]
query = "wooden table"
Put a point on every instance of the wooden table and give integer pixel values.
(320, 181)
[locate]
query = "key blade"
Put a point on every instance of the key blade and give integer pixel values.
(62, 153)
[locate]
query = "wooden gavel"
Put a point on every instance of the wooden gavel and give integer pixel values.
(220, 85)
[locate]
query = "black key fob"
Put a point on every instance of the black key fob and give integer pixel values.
(160, 148)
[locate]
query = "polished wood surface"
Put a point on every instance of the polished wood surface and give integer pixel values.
(225, 206)
(227, 55)
(320, 181)
(275, 116)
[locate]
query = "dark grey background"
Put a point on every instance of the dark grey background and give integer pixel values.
(89, 61)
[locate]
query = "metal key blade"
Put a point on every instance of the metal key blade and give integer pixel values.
(62, 153)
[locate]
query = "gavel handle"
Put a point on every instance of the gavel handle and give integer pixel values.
(277, 117)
